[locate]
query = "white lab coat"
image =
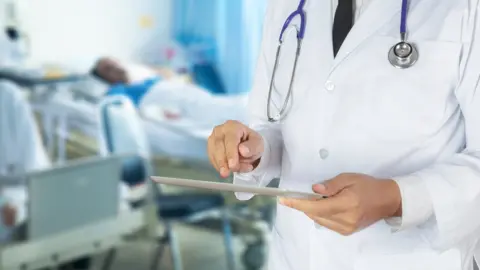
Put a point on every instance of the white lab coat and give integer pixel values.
(357, 113)
(21, 146)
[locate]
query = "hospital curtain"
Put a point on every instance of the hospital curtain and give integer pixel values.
(229, 31)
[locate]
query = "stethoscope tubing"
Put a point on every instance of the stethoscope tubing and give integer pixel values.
(395, 58)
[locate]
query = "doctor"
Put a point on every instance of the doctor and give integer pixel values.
(390, 133)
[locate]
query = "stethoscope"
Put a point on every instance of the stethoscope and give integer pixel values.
(402, 55)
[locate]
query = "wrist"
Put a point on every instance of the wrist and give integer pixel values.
(393, 198)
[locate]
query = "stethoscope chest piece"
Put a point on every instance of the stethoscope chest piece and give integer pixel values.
(403, 55)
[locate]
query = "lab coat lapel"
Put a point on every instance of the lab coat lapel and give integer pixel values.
(379, 13)
(317, 47)
(316, 56)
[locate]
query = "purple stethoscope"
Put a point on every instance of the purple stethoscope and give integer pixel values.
(402, 55)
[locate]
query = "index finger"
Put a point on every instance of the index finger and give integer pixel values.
(232, 140)
(324, 207)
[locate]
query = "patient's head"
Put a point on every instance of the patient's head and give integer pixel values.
(111, 71)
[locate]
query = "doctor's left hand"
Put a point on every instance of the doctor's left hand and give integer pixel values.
(355, 201)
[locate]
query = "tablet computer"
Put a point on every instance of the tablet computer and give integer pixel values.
(266, 191)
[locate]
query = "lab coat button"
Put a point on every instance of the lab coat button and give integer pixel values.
(323, 153)
(330, 86)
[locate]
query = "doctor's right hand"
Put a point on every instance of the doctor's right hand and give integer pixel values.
(234, 147)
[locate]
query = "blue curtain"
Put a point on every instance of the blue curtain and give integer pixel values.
(228, 33)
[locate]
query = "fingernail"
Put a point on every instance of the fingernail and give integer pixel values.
(282, 201)
(231, 163)
(223, 171)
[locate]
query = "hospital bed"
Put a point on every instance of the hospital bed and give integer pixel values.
(122, 131)
(42, 84)
(62, 225)
(62, 113)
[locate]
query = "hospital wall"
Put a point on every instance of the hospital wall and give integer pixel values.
(78, 31)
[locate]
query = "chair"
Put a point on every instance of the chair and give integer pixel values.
(169, 207)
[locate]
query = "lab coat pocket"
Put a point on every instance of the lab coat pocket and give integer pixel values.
(416, 260)
(404, 105)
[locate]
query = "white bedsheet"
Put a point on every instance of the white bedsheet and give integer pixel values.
(172, 138)
(199, 109)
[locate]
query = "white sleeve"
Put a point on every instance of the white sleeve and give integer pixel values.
(416, 203)
(34, 153)
(270, 164)
(443, 200)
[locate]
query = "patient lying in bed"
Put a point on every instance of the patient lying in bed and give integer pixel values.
(162, 96)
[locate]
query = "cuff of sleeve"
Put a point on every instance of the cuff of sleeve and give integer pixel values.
(245, 179)
(256, 176)
(417, 206)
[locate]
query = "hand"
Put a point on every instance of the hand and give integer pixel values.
(355, 201)
(233, 147)
(9, 215)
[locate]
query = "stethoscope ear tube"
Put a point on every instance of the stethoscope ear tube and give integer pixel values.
(284, 107)
(270, 90)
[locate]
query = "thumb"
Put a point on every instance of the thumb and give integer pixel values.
(251, 148)
(333, 186)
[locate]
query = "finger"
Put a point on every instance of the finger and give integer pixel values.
(247, 160)
(320, 189)
(217, 133)
(342, 219)
(211, 153)
(332, 225)
(232, 140)
(245, 167)
(221, 159)
(323, 208)
(335, 185)
(216, 136)
(251, 148)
